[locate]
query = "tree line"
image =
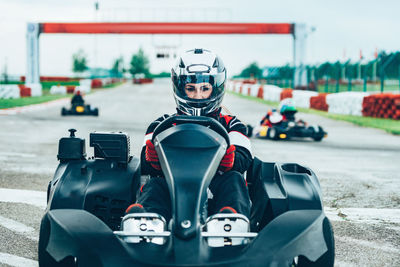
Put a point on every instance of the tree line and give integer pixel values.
(139, 64)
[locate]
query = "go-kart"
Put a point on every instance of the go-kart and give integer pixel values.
(87, 197)
(80, 109)
(276, 128)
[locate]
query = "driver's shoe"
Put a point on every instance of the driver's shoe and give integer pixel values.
(139, 225)
(224, 226)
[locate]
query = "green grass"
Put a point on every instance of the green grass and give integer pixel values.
(389, 125)
(19, 102)
(10, 103)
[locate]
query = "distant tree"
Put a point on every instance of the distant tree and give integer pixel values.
(118, 67)
(140, 63)
(79, 61)
(286, 72)
(253, 70)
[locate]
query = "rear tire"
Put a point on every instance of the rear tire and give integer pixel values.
(328, 258)
(96, 112)
(63, 111)
(318, 136)
(249, 130)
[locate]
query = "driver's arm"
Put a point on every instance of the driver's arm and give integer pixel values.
(146, 168)
(237, 135)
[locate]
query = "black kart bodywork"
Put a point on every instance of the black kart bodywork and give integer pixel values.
(87, 198)
(290, 129)
(80, 109)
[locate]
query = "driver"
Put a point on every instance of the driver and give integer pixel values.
(77, 99)
(199, 85)
(287, 109)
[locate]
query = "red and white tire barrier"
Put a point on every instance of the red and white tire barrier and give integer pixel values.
(8, 91)
(382, 106)
(319, 102)
(348, 103)
(302, 98)
(58, 90)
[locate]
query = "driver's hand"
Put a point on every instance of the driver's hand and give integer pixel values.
(227, 161)
(151, 155)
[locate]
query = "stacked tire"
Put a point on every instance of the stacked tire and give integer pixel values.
(382, 106)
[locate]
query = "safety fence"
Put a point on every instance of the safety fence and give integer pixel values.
(372, 104)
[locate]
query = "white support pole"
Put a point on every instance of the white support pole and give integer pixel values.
(299, 54)
(32, 78)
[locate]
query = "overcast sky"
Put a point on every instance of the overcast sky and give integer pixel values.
(343, 28)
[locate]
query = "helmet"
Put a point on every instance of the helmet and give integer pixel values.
(198, 66)
(287, 106)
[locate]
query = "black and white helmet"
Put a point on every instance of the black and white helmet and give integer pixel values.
(198, 66)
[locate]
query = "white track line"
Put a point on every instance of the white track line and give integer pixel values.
(364, 215)
(18, 227)
(35, 198)
(13, 260)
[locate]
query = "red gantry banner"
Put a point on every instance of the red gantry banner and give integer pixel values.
(167, 28)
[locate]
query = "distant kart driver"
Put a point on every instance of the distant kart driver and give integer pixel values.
(77, 99)
(285, 112)
(199, 85)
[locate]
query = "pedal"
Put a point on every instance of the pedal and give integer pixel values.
(143, 227)
(227, 230)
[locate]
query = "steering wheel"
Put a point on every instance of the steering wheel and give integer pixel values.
(211, 123)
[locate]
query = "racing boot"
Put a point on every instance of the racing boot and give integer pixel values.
(138, 225)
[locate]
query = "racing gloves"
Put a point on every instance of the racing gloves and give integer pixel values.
(227, 161)
(151, 155)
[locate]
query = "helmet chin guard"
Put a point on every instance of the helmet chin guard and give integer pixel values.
(194, 67)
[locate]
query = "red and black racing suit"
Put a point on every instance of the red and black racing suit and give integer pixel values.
(227, 189)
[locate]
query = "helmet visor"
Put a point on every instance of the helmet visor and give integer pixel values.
(202, 83)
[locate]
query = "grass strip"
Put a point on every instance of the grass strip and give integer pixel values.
(388, 125)
(24, 101)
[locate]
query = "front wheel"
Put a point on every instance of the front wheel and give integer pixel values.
(328, 258)
(45, 259)
(272, 133)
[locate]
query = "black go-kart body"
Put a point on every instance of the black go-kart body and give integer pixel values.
(289, 128)
(80, 109)
(87, 198)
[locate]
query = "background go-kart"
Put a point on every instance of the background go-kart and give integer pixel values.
(358, 169)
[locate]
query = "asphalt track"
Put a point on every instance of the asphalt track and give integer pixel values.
(358, 168)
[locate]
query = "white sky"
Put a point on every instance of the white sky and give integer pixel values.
(343, 27)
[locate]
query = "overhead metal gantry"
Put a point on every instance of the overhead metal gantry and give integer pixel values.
(298, 31)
